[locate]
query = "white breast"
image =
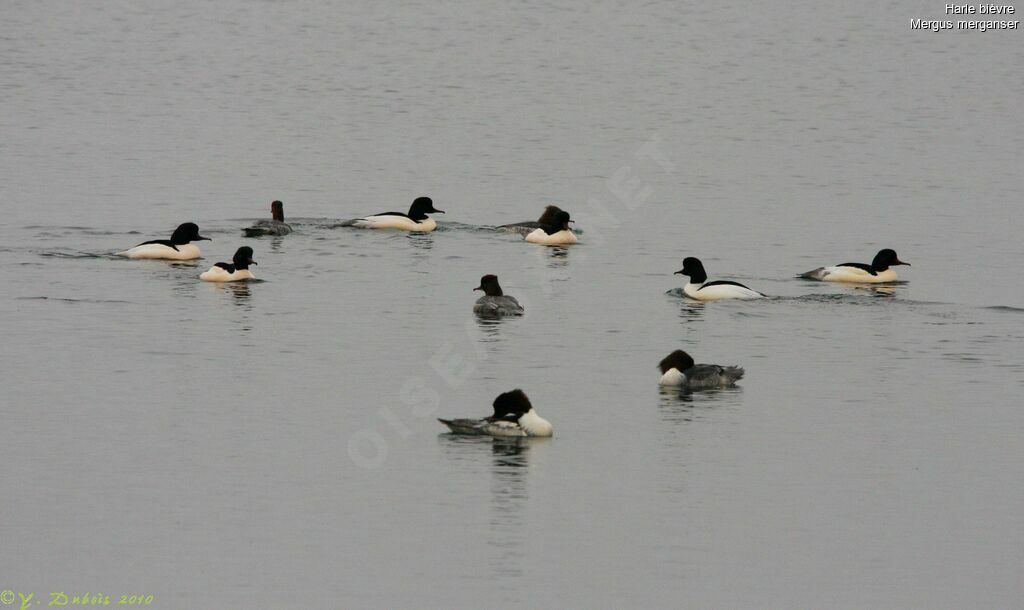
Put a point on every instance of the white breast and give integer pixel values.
(855, 275)
(535, 425)
(719, 292)
(186, 252)
(562, 238)
(387, 221)
(220, 274)
(673, 377)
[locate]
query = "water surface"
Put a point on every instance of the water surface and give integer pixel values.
(275, 444)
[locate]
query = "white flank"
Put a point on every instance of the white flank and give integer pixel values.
(403, 223)
(564, 237)
(220, 274)
(719, 292)
(852, 275)
(185, 252)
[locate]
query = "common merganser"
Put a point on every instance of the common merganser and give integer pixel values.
(176, 248)
(701, 289)
(678, 369)
(877, 272)
(276, 226)
(555, 233)
(415, 220)
(513, 416)
(495, 302)
(235, 271)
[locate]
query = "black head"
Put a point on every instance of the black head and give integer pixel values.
(277, 211)
(185, 233)
(514, 404)
(489, 284)
(693, 268)
(243, 258)
(886, 258)
(548, 217)
(422, 206)
(559, 223)
(676, 360)
(562, 220)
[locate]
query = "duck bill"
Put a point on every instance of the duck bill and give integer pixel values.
(899, 262)
(201, 238)
(252, 262)
(478, 288)
(437, 211)
(680, 272)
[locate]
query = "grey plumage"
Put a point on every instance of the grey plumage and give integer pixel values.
(495, 302)
(267, 227)
(522, 228)
(701, 376)
(678, 369)
(276, 226)
(815, 274)
(498, 306)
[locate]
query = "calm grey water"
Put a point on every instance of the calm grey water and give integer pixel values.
(274, 445)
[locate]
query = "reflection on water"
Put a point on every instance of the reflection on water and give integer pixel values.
(275, 243)
(691, 311)
(875, 290)
(489, 344)
(557, 256)
(509, 459)
(681, 405)
(421, 241)
(509, 496)
(674, 408)
(490, 325)
(240, 292)
(878, 290)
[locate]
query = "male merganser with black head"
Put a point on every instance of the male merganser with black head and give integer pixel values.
(701, 289)
(526, 227)
(415, 220)
(277, 226)
(879, 271)
(678, 369)
(495, 302)
(513, 416)
(177, 248)
(555, 233)
(235, 271)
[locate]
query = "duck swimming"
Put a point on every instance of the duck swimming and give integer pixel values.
(879, 271)
(276, 226)
(495, 302)
(235, 271)
(678, 369)
(177, 248)
(513, 416)
(701, 289)
(415, 220)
